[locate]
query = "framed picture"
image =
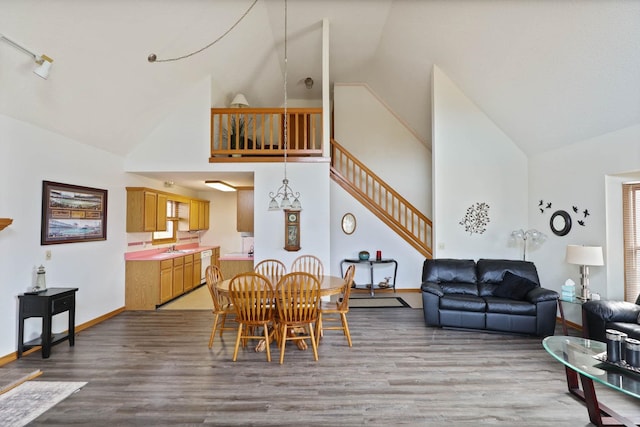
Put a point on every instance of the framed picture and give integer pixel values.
(72, 214)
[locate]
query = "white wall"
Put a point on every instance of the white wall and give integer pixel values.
(474, 162)
(583, 175)
(29, 156)
(366, 127)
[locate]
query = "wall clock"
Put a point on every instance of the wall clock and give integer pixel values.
(291, 230)
(348, 223)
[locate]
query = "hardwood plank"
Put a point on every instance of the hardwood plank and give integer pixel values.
(154, 368)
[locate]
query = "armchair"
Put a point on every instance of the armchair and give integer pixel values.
(600, 315)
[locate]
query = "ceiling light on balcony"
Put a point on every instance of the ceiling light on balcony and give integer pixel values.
(220, 186)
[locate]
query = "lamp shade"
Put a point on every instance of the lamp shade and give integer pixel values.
(239, 101)
(584, 255)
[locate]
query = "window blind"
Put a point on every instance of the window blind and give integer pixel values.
(631, 222)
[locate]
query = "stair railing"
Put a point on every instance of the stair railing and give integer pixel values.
(375, 194)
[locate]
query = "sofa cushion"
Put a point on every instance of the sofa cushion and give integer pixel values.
(449, 270)
(509, 306)
(514, 287)
(459, 288)
(492, 270)
(463, 303)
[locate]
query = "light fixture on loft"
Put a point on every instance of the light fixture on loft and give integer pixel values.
(220, 186)
(288, 198)
(239, 101)
(584, 256)
(534, 236)
(44, 62)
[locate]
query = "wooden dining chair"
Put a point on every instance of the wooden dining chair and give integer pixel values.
(309, 264)
(336, 311)
(271, 268)
(252, 296)
(222, 306)
(297, 300)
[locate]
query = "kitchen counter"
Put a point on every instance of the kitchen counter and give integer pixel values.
(236, 256)
(160, 254)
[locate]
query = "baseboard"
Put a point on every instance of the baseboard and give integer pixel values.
(81, 327)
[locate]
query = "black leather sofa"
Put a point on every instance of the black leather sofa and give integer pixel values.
(600, 315)
(492, 294)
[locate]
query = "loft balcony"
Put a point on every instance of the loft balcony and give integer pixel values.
(257, 134)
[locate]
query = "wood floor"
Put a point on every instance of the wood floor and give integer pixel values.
(154, 368)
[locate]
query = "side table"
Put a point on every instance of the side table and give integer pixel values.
(371, 263)
(563, 320)
(46, 304)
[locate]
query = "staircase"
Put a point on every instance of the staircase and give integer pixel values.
(377, 196)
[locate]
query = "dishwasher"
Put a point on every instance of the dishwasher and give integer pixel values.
(206, 262)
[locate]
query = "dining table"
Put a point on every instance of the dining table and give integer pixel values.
(329, 285)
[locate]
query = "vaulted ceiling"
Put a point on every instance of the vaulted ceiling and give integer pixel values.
(549, 73)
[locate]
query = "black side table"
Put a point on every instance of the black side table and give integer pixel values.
(47, 304)
(372, 262)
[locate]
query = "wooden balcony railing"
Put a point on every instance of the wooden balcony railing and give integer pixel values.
(381, 199)
(245, 134)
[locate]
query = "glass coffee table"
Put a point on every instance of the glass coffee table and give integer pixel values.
(577, 355)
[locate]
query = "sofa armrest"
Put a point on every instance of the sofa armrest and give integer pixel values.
(613, 311)
(432, 288)
(540, 294)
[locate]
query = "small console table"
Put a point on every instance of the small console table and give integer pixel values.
(371, 263)
(46, 304)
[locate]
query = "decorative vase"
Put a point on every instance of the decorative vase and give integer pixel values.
(363, 255)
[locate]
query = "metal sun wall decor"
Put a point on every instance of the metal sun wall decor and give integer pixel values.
(563, 217)
(476, 218)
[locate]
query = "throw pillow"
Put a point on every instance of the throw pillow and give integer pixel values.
(514, 287)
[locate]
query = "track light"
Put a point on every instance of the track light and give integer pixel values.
(44, 62)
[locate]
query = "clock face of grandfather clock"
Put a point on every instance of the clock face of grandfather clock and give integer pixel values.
(291, 230)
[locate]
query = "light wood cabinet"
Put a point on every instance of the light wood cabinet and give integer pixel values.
(161, 214)
(244, 219)
(197, 270)
(166, 280)
(198, 215)
(151, 283)
(188, 272)
(146, 210)
(231, 268)
(178, 276)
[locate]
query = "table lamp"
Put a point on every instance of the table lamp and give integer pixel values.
(584, 256)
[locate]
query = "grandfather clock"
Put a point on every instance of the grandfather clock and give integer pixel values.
(291, 230)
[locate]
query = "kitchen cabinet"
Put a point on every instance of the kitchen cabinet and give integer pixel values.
(198, 215)
(178, 276)
(146, 210)
(230, 268)
(150, 283)
(166, 280)
(244, 218)
(188, 272)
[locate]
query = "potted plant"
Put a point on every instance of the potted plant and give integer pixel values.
(238, 125)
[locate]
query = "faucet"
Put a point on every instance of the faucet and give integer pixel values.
(251, 251)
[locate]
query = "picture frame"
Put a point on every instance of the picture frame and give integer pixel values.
(72, 214)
